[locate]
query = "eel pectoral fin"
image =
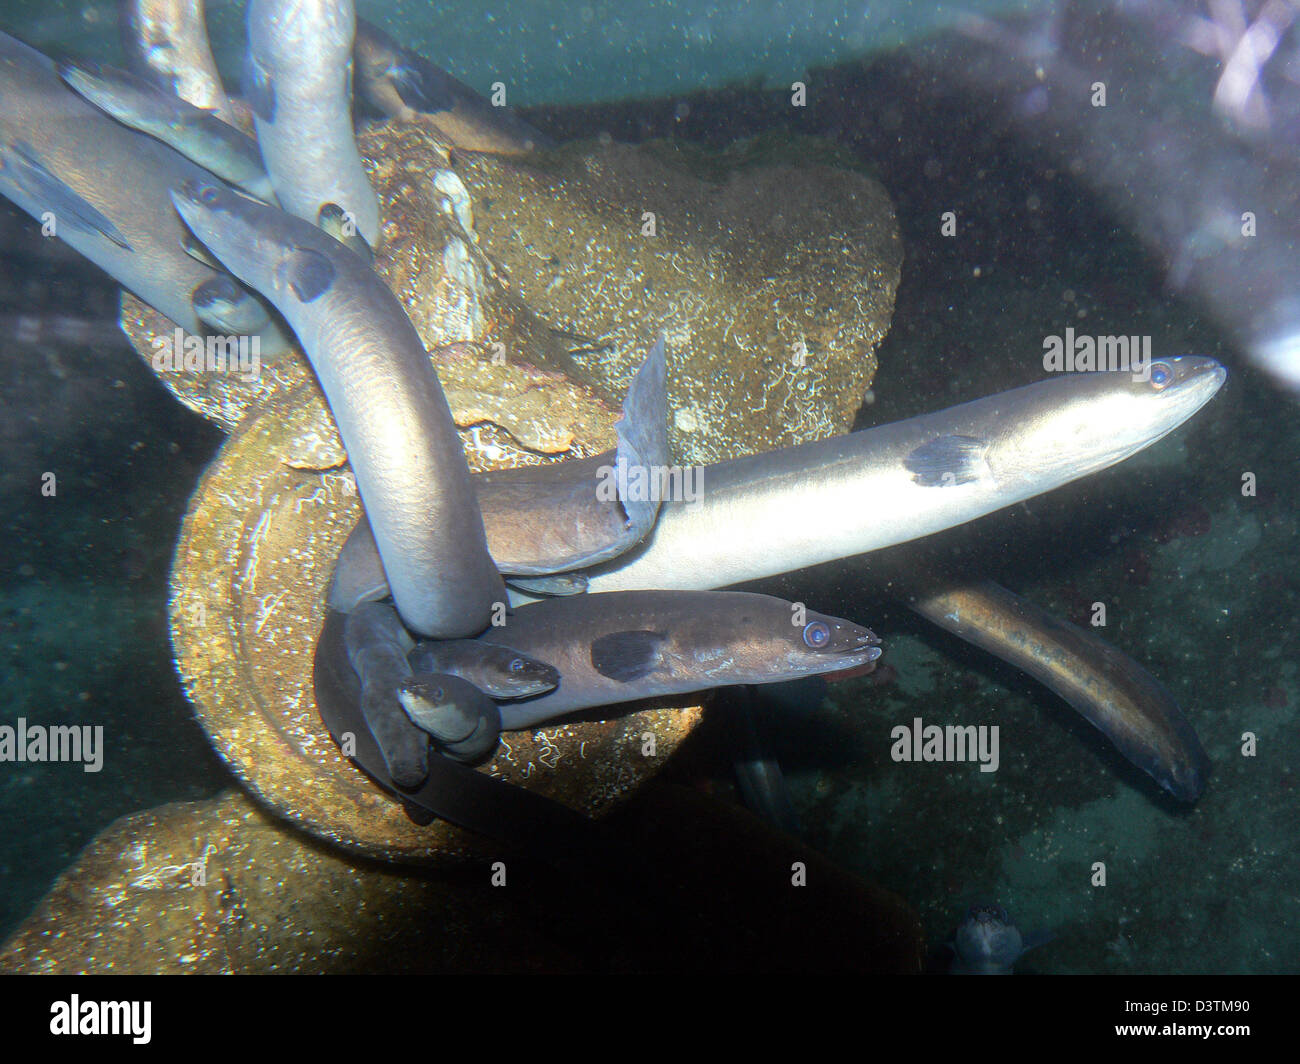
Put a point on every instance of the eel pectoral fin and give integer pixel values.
(228, 308)
(309, 274)
(334, 220)
(419, 89)
(627, 656)
(554, 585)
(947, 460)
(19, 163)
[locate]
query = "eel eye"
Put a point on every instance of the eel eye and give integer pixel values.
(817, 635)
(437, 694)
(1161, 375)
(516, 665)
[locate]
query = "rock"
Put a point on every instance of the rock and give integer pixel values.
(774, 282)
(221, 887)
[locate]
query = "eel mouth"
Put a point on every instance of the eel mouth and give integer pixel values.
(864, 667)
(857, 656)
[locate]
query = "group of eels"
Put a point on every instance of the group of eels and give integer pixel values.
(425, 656)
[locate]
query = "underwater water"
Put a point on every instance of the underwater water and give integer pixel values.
(1200, 579)
(559, 52)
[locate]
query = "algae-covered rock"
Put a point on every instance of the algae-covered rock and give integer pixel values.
(774, 281)
(221, 887)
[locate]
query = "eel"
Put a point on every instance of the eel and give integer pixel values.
(549, 584)
(404, 85)
(606, 649)
(957, 464)
(103, 189)
(785, 510)
(377, 645)
(461, 719)
(197, 134)
(817, 502)
(513, 816)
(227, 307)
(633, 645)
(385, 397)
(1105, 686)
(300, 89)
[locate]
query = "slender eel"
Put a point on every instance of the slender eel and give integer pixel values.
(785, 510)
(195, 133)
(385, 397)
(550, 584)
(402, 85)
(168, 40)
(1108, 688)
(377, 646)
(103, 189)
(781, 511)
(228, 308)
(634, 645)
(300, 67)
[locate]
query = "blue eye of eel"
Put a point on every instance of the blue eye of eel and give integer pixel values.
(816, 635)
(1160, 375)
